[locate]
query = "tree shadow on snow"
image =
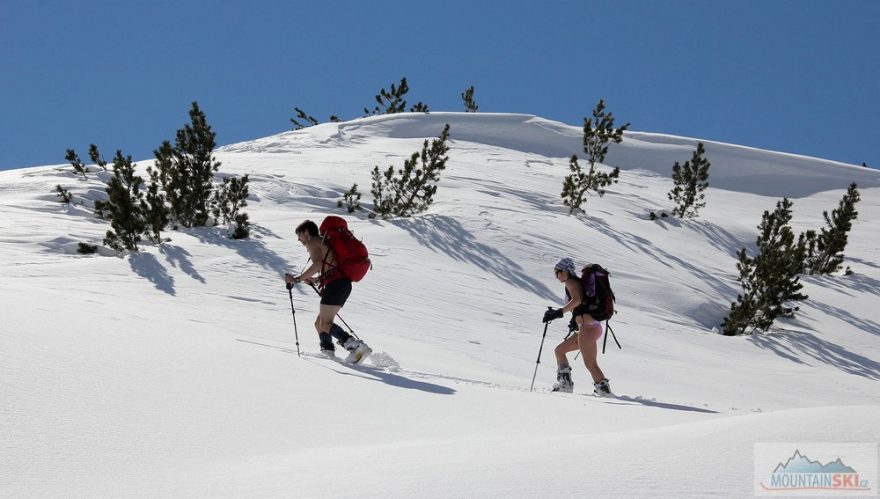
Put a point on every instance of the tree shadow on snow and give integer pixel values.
(855, 282)
(179, 258)
(638, 244)
(445, 234)
(863, 262)
(147, 266)
(794, 345)
(844, 315)
(720, 238)
(250, 249)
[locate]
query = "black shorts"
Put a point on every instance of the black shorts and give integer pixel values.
(336, 292)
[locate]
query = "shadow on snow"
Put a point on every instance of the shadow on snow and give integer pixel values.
(662, 405)
(446, 235)
(149, 267)
(793, 345)
(365, 372)
(377, 374)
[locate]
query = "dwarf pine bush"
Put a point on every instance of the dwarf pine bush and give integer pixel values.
(598, 134)
(824, 251)
(351, 200)
(63, 194)
(468, 97)
(301, 115)
(411, 189)
(770, 279)
(186, 170)
(393, 102)
(229, 198)
(691, 180)
(123, 207)
(78, 167)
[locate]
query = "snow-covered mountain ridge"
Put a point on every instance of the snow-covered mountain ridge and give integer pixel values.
(173, 371)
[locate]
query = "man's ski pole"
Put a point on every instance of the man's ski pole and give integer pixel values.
(537, 362)
(293, 310)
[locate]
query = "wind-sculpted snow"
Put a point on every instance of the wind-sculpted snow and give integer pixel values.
(734, 167)
(174, 371)
(742, 169)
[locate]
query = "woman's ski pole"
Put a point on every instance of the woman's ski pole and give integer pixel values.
(539, 356)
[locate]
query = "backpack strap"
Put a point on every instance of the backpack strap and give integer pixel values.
(326, 267)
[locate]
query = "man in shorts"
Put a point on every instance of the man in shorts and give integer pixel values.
(334, 288)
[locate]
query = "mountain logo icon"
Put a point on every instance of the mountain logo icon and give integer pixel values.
(799, 463)
(801, 474)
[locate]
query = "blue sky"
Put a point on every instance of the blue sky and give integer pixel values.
(794, 76)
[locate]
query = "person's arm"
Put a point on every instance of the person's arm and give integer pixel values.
(577, 296)
(308, 273)
(316, 254)
(575, 292)
(317, 258)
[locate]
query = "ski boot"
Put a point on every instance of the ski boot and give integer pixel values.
(327, 348)
(357, 350)
(602, 388)
(563, 380)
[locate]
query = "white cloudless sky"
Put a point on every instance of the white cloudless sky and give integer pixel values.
(792, 76)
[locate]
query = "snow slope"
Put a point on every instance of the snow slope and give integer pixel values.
(173, 371)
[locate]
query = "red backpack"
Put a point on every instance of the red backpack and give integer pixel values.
(352, 259)
(597, 292)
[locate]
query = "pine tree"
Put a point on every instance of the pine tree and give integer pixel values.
(96, 157)
(78, 167)
(770, 279)
(351, 200)
(154, 208)
(229, 198)
(391, 102)
(242, 226)
(63, 194)
(468, 97)
(383, 192)
(598, 133)
(186, 170)
(102, 208)
(124, 205)
(86, 249)
(172, 179)
(412, 190)
(297, 125)
(579, 183)
(419, 108)
(690, 181)
(824, 252)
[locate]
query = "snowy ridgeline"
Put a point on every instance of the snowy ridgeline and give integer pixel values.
(173, 371)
